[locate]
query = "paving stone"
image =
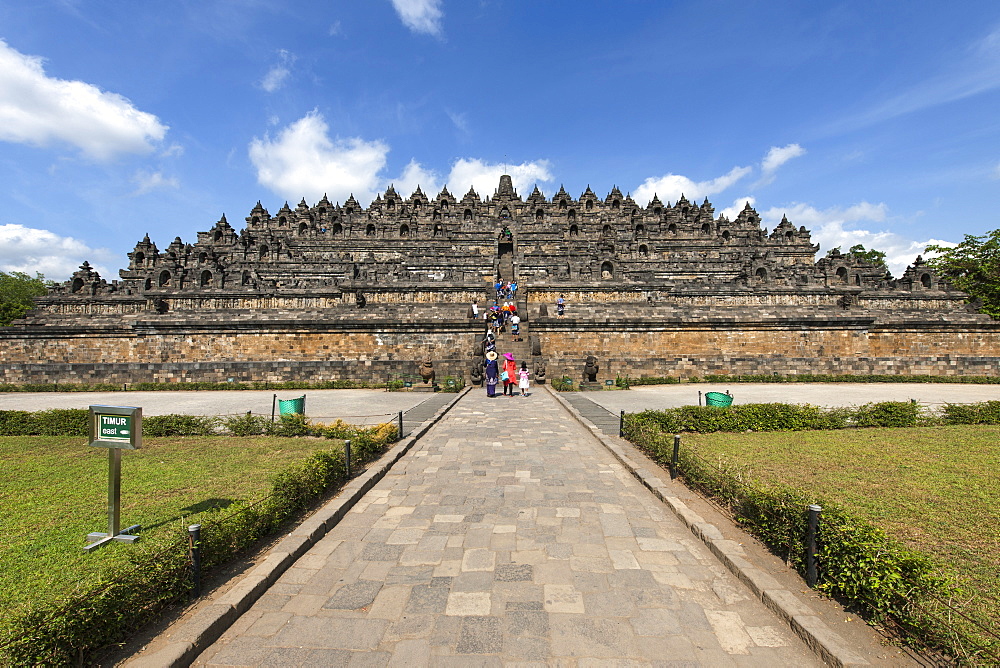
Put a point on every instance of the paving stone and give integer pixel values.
(354, 596)
(537, 549)
(425, 599)
(480, 635)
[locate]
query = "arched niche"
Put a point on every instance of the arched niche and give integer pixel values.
(370, 230)
(574, 231)
(205, 279)
(468, 214)
(643, 250)
(539, 215)
(164, 279)
(607, 271)
(842, 274)
(925, 280)
(761, 275)
(77, 285)
(139, 258)
(404, 230)
(264, 250)
(303, 228)
(338, 229)
(606, 231)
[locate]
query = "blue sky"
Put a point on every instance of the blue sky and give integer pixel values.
(869, 121)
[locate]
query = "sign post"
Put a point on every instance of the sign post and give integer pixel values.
(116, 428)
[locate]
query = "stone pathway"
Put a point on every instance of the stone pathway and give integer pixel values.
(508, 536)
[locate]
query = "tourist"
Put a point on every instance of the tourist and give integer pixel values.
(560, 305)
(498, 286)
(475, 310)
(513, 289)
(515, 326)
(509, 374)
(489, 342)
(522, 379)
(492, 373)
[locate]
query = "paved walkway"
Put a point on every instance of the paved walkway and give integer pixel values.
(509, 534)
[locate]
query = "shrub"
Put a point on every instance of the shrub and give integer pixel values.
(887, 414)
(179, 425)
(987, 412)
(564, 384)
(452, 384)
(247, 425)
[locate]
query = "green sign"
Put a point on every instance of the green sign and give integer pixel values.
(114, 427)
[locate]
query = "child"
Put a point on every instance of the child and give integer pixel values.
(522, 379)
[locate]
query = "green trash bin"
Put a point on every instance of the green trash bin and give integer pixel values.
(718, 399)
(291, 406)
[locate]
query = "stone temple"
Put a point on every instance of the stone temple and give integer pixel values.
(339, 291)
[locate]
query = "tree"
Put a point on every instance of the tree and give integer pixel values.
(972, 266)
(876, 258)
(872, 257)
(17, 292)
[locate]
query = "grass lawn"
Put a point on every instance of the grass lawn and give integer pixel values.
(54, 491)
(936, 489)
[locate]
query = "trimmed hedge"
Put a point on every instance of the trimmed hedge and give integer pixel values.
(89, 620)
(780, 417)
(200, 386)
(858, 563)
(816, 378)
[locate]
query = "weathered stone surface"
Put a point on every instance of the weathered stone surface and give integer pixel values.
(337, 291)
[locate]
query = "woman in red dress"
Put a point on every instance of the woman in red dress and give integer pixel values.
(510, 368)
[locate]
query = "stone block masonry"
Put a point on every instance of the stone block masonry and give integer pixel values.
(333, 291)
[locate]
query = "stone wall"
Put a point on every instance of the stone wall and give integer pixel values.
(370, 350)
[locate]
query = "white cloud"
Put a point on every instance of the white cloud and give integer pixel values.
(459, 120)
(671, 186)
(978, 72)
(738, 205)
(777, 156)
(335, 29)
(279, 73)
(40, 110)
(420, 15)
(149, 181)
(304, 161)
(415, 175)
(485, 177)
(833, 227)
(32, 250)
